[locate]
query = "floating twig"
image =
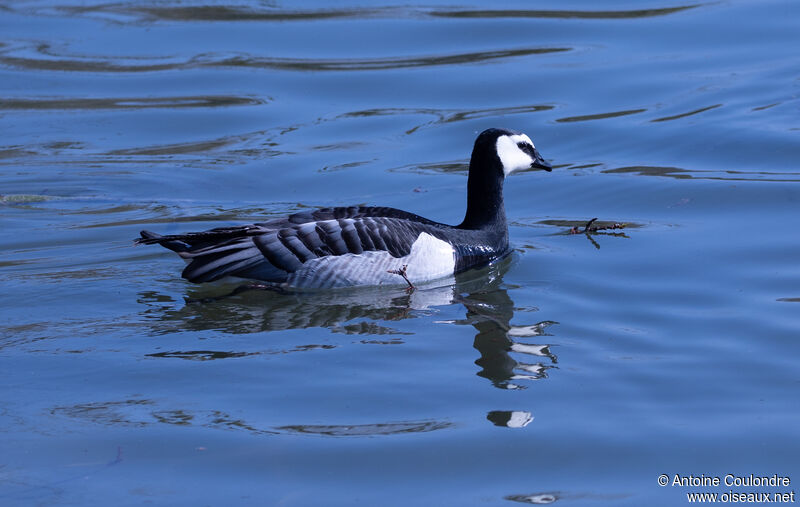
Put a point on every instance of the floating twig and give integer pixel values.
(402, 272)
(589, 228)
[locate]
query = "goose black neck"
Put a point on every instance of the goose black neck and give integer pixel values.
(485, 209)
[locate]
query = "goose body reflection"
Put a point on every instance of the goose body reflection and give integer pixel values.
(361, 246)
(376, 315)
(371, 312)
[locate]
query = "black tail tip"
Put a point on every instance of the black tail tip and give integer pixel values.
(174, 243)
(147, 238)
(148, 235)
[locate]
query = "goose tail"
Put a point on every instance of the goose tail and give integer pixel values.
(150, 238)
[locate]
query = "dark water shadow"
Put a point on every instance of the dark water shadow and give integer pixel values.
(127, 103)
(212, 153)
(356, 64)
(226, 13)
(600, 116)
(684, 115)
(563, 14)
(154, 12)
(143, 12)
(700, 174)
(444, 116)
(356, 430)
(45, 58)
(145, 412)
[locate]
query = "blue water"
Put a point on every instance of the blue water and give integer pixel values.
(576, 372)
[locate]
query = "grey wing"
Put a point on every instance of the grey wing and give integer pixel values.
(274, 254)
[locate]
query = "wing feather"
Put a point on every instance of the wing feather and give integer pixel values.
(374, 232)
(274, 249)
(276, 253)
(295, 245)
(363, 235)
(350, 236)
(207, 267)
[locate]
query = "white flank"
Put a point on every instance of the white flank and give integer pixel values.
(429, 259)
(512, 158)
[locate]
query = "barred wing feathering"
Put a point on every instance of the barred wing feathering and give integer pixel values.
(304, 249)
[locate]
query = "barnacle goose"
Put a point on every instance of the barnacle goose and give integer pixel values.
(360, 245)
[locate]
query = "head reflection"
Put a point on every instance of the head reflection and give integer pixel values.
(490, 312)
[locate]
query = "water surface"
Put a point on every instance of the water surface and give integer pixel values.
(575, 372)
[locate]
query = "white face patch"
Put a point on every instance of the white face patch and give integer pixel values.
(512, 158)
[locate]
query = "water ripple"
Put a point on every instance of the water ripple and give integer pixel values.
(142, 412)
(227, 149)
(230, 13)
(684, 115)
(201, 355)
(600, 116)
(562, 14)
(363, 430)
(443, 116)
(121, 12)
(349, 64)
(24, 104)
(155, 12)
(213, 60)
(699, 174)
